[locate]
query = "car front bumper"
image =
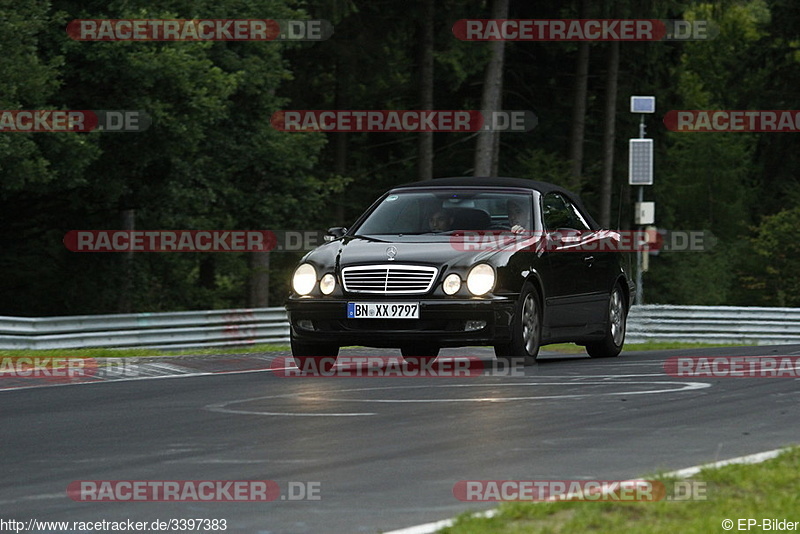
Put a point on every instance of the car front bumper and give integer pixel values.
(443, 322)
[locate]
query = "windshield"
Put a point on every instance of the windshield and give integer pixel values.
(445, 211)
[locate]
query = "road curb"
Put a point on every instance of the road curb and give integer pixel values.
(125, 369)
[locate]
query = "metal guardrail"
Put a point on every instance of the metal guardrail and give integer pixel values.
(714, 324)
(216, 328)
(176, 330)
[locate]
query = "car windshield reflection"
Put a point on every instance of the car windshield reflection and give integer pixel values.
(446, 212)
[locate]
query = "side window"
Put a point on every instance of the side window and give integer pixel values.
(577, 219)
(558, 212)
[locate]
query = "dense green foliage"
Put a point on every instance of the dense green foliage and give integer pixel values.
(210, 160)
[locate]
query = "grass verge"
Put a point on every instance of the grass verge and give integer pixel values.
(769, 490)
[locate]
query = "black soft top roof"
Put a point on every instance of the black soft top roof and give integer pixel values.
(485, 181)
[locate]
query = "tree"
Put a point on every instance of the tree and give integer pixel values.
(487, 147)
(775, 276)
(209, 160)
(609, 131)
(426, 24)
(579, 105)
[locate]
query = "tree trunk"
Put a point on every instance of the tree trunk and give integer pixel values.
(579, 107)
(128, 221)
(425, 151)
(488, 148)
(340, 139)
(207, 278)
(259, 280)
(608, 133)
(495, 154)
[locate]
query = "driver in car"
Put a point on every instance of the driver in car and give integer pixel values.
(440, 221)
(518, 216)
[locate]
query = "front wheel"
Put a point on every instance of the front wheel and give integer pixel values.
(314, 358)
(611, 345)
(526, 329)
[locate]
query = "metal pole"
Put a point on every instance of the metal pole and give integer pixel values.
(639, 297)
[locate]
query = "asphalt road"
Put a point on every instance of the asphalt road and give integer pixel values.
(385, 452)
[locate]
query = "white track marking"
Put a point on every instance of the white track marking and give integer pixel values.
(225, 407)
(687, 386)
(222, 407)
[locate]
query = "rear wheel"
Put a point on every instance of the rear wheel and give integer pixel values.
(526, 329)
(611, 345)
(314, 358)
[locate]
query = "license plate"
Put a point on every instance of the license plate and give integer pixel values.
(375, 310)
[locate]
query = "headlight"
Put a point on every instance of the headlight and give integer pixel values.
(327, 284)
(480, 279)
(304, 279)
(451, 284)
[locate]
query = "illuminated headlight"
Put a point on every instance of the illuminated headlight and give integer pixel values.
(304, 279)
(327, 284)
(480, 279)
(451, 284)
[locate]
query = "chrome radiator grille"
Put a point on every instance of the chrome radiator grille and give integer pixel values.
(389, 279)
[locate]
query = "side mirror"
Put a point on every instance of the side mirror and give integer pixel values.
(335, 233)
(564, 236)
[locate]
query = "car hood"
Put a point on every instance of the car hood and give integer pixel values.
(434, 250)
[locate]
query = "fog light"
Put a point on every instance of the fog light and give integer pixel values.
(327, 284)
(305, 324)
(451, 284)
(471, 326)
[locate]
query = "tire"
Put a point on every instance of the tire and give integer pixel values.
(611, 345)
(526, 329)
(416, 355)
(313, 358)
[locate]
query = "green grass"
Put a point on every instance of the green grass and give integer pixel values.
(769, 490)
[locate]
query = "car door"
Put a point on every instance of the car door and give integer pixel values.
(576, 275)
(596, 249)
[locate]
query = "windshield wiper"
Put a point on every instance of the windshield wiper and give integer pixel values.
(443, 232)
